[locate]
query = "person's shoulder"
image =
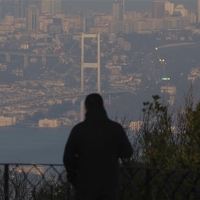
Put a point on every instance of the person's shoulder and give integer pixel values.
(78, 126)
(115, 124)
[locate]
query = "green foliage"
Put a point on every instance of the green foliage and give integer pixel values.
(156, 134)
(190, 152)
(168, 143)
(168, 139)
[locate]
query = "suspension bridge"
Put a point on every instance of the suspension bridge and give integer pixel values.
(81, 61)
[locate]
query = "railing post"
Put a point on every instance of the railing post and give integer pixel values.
(6, 177)
(68, 190)
(33, 193)
(52, 197)
(148, 187)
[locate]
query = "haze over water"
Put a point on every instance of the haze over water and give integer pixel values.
(32, 145)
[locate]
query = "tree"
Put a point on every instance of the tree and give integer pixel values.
(156, 133)
(168, 138)
(167, 144)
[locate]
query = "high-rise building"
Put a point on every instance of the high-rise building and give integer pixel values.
(45, 6)
(198, 11)
(118, 10)
(17, 8)
(51, 7)
(1, 10)
(87, 20)
(169, 8)
(32, 18)
(23, 7)
(57, 6)
(158, 9)
(7, 7)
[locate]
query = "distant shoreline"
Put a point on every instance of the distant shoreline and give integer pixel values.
(36, 127)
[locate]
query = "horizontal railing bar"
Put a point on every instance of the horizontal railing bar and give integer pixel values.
(121, 166)
(33, 164)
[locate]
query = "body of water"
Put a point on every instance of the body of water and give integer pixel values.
(32, 145)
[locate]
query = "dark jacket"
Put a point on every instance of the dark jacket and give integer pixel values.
(92, 151)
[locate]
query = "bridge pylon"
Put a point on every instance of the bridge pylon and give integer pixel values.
(95, 65)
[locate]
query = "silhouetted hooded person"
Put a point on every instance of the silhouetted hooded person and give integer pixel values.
(92, 152)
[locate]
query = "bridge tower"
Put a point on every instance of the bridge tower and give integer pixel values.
(91, 65)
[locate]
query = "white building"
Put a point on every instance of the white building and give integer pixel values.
(198, 11)
(135, 126)
(168, 89)
(194, 74)
(48, 123)
(171, 90)
(133, 16)
(181, 9)
(127, 46)
(169, 7)
(112, 37)
(51, 7)
(9, 19)
(7, 121)
(120, 41)
(193, 18)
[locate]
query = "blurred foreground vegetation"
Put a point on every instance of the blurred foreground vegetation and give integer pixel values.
(168, 138)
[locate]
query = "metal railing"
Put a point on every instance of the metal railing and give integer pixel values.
(49, 182)
(159, 184)
(34, 182)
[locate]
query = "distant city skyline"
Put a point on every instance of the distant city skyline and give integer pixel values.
(18, 7)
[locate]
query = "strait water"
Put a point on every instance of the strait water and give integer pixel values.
(32, 145)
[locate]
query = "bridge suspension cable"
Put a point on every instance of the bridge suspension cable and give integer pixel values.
(69, 70)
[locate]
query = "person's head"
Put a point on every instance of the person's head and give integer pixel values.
(93, 101)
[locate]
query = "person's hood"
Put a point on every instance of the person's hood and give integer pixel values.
(96, 116)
